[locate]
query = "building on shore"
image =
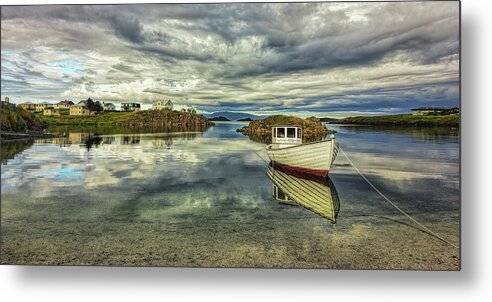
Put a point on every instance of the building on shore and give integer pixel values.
(79, 110)
(27, 106)
(6, 103)
(51, 111)
(39, 107)
(162, 104)
(108, 107)
(63, 105)
(130, 106)
(435, 111)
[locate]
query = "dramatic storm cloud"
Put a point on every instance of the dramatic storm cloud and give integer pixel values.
(314, 58)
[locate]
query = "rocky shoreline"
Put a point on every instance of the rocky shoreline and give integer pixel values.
(16, 136)
(168, 119)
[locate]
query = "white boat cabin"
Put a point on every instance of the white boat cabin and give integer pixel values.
(286, 135)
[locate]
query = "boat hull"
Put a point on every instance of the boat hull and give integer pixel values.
(304, 173)
(312, 158)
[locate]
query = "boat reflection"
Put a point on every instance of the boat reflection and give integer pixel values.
(317, 194)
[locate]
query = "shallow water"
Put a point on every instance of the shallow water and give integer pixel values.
(204, 199)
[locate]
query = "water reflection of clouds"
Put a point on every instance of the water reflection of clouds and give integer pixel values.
(68, 174)
(40, 169)
(115, 163)
(398, 168)
(408, 175)
(217, 189)
(411, 143)
(422, 185)
(205, 176)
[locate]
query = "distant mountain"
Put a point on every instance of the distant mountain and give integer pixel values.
(245, 119)
(233, 116)
(328, 119)
(219, 119)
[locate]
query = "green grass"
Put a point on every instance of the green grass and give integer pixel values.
(127, 122)
(103, 119)
(404, 120)
(106, 122)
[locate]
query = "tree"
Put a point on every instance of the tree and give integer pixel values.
(93, 106)
(98, 107)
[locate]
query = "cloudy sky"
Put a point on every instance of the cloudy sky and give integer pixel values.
(327, 59)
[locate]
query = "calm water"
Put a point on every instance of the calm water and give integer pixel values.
(204, 199)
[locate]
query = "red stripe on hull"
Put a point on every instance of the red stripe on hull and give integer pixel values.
(300, 172)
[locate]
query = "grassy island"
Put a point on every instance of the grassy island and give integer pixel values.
(402, 120)
(120, 122)
(261, 130)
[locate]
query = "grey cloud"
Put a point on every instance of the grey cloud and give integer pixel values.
(128, 27)
(172, 55)
(124, 68)
(125, 25)
(334, 43)
(241, 54)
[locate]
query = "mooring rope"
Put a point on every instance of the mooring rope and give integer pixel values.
(261, 157)
(426, 229)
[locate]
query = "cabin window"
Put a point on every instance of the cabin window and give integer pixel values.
(279, 194)
(281, 132)
(299, 133)
(291, 132)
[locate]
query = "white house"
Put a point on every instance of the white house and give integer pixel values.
(163, 104)
(63, 105)
(39, 107)
(130, 106)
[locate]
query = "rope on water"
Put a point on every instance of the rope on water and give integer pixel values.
(261, 157)
(426, 229)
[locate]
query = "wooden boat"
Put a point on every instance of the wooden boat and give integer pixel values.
(315, 194)
(288, 150)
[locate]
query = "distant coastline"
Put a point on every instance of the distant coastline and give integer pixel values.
(399, 120)
(18, 123)
(148, 121)
(219, 119)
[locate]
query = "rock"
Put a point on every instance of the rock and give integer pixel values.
(168, 120)
(261, 130)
